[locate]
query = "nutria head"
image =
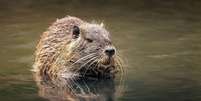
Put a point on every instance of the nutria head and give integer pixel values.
(91, 51)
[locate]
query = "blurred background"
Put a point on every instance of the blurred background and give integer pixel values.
(160, 41)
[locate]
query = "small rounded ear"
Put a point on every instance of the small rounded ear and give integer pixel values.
(76, 32)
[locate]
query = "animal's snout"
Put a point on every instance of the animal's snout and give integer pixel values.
(110, 51)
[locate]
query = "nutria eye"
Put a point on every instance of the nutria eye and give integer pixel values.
(89, 40)
(76, 32)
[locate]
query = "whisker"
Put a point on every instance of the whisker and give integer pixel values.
(86, 63)
(69, 85)
(79, 87)
(83, 58)
(122, 75)
(88, 89)
(89, 66)
(120, 65)
(95, 66)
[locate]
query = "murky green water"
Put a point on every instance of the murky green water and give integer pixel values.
(159, 40)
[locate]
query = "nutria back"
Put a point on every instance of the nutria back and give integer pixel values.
(72, 47)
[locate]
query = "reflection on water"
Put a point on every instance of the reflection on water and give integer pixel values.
(77, 90)
(159, 39)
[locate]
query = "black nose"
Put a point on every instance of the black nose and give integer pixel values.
(110, 51)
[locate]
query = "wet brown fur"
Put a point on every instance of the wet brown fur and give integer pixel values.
(54, 53)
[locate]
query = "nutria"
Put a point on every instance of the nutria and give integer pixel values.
(73, 48)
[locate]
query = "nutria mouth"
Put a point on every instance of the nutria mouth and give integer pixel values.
(94, 66)
(71, 45)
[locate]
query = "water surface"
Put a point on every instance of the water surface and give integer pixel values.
(159, 40)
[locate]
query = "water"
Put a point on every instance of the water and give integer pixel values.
(159, 40)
